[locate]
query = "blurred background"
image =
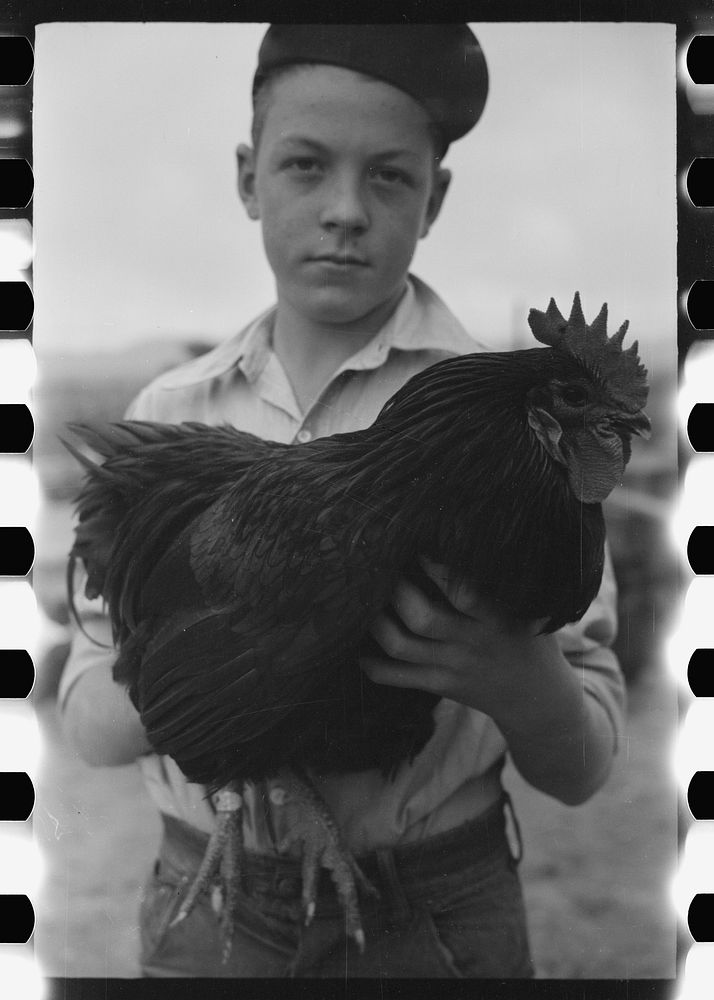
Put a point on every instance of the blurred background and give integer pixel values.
(144, 257)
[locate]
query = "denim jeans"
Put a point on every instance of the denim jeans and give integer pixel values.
(449, 906)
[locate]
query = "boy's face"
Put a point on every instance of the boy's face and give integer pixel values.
(345, 184)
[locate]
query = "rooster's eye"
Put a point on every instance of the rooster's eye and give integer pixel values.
(573, 395)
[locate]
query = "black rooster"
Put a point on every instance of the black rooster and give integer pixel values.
(241, 574)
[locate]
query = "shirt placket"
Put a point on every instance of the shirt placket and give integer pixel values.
(311, 423)
(369, 358)
(275, 391)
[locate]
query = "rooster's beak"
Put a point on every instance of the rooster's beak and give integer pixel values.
(637, 423)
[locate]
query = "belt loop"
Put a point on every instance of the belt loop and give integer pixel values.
(510, 811)
(398, 902)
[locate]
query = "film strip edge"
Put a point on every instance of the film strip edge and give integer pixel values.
(689, 651)
(20, 361)
(18, 504)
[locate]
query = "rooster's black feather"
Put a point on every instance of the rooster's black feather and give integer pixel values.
(241, 575)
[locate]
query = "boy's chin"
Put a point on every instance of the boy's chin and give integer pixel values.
(345, 311)
(333, 316)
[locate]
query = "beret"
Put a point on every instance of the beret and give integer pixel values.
(440, 65)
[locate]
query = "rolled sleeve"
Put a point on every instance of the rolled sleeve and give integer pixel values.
(587, 645)
(89, 649)
(92, 644)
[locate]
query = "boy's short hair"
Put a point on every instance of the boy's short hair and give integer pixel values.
(440, 65)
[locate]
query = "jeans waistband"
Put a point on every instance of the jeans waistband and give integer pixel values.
(416, 864)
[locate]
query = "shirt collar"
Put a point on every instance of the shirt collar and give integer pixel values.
(247, 351)
(421, 322)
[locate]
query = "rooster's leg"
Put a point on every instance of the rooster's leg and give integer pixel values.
(231, 872)
(322, 846)
(224, 851)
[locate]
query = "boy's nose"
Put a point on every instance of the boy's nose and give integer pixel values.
(344, 207)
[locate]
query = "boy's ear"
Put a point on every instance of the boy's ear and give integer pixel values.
(442, 179)
(246, 180)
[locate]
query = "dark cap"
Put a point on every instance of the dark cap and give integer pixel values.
(440, 65)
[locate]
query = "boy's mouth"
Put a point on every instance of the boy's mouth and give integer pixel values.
(342, 260)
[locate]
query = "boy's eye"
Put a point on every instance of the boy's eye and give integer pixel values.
(389, 175)
(303, 165)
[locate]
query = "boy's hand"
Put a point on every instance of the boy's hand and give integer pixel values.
(460, 645)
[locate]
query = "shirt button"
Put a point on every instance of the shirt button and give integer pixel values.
(303, 435)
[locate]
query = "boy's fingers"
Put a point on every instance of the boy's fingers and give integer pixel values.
(399, 643)
(397, 673)
(467, 600)
(461, 595)
(421, 615)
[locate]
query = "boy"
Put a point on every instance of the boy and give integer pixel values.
(345, 175)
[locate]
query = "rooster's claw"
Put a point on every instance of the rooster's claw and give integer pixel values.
(322, 846)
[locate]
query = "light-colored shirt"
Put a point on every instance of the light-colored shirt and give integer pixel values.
(457, 775)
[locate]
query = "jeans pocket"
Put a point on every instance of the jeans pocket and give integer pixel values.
(439, 949)
(273, 927)
(158, 908)
(483, 932)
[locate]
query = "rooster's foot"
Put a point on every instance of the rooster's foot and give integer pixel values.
(322, 846)
(224, 853)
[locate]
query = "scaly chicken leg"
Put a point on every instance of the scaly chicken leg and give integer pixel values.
(224, 852)
(322, 846)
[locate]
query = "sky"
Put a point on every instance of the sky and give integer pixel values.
(567, 182)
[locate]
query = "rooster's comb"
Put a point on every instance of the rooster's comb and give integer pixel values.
(624, 375)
